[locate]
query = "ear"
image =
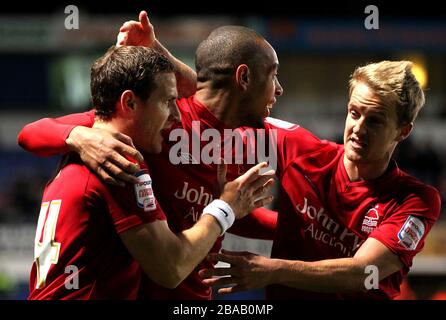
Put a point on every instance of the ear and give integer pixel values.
(405, 131)
(242, 76)
(127, 101)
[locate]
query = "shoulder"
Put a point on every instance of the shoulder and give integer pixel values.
(412, 192)
(291, 132)
(74, 183)
(273, 123)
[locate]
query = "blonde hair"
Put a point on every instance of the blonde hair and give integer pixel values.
(395, 83)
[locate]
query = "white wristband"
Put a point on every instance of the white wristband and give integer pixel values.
(222, 212)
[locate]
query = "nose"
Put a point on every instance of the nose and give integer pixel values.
(174, 115)
(360, 127)
(278, 88)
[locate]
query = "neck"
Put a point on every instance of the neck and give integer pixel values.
(111, 125)
(365, 171)
(221, 103)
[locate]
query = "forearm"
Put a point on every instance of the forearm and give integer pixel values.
(334, 275)
(169, 258)
(46, 137)
(195, 243)
(186, 77)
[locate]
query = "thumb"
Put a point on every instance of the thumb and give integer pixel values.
(144, 20)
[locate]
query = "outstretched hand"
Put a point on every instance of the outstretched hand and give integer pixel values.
(247, 271)
(137, 33)
(249, 191)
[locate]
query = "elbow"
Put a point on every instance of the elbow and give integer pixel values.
(26, 140)
(169, 273)
(170, 279)
(361, 284)
(177, 275)
(168, 283)
(174, 281)
(21, 140)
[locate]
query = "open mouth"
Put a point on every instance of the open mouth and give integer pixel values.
(269, 107)
(268, 110)
(357, 144)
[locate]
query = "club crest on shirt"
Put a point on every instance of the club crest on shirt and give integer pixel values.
(143, 191)
(371, 219)
(411, 233)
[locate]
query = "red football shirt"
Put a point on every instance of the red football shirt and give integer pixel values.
(189, 187)
(78, 236)
(183, 190)
(325, 216)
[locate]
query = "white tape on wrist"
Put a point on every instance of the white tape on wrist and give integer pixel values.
(222, 212)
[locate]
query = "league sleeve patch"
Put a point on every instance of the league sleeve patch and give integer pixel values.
(143, 191)
(411, 233)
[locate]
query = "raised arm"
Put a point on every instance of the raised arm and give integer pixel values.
(169, 258)
(142, 33)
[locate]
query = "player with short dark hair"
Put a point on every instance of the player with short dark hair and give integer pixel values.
(247, 99)
(111, 236)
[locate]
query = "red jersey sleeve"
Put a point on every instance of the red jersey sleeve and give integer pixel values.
(132, 205)
(46, 137)
(404, 230)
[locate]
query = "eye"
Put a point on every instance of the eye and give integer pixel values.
(355, 115)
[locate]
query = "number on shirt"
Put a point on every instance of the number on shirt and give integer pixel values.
(46, 250)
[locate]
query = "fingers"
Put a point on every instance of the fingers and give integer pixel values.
(222, 281)
(108, 178)
(118, 173)
(263, 202)
(127, 147)
(222, 170)
(115, 164)
(217, 272)
(231, 257)
(252, 173)
(260, 191)
(235, 253)
(121, 39)
(144, 20)
(127, 25)
(228, 290)
(262, 183)
(264, 190)
(123, 163)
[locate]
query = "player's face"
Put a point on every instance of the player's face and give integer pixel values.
(371, 130)
(266, 88)
(156, 114)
